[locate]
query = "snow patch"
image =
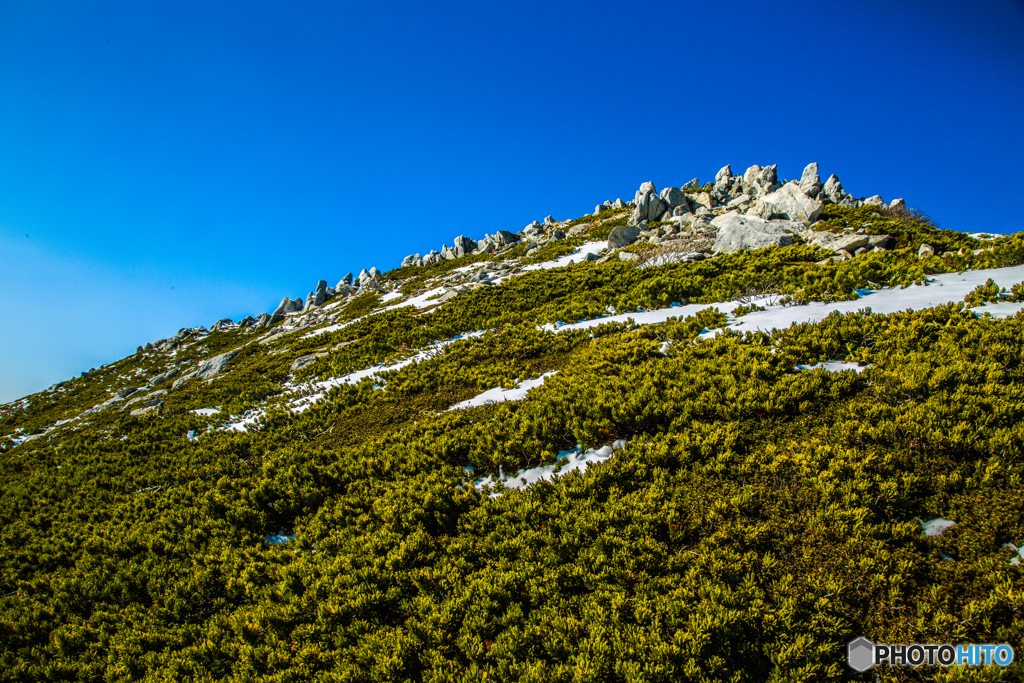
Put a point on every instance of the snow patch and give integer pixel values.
(941, 289)
(936, 527)
(500, 395)
(206, 411)
(575, 460)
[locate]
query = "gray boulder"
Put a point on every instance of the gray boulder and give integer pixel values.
(310, 298)
(410, 260)
(321, 293)
(464, 245)
(286, 306)
(767, 179)
(623, 236)
(649, 207)
(125, 393)
(740, 201)
(674, 197)
(262, 321)
(791, 203)
(750, 176)
(149, 346)
(549, 221)
(498, 240)
(212, 366)
(619, 204)
(898, 205)
(736, 232)
(874, 200)
(704, 199)
(723, 179)
(184, 378)
(247, 321)
(347, 280)
(302, 361)
(833, 189)
(692, 185)
(221, 324)
(840, 242)
(925, 250)
(148, 409)
(161, 378)
(810, 181)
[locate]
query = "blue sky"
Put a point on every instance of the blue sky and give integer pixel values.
(167, 164)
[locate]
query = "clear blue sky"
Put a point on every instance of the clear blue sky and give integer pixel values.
(166, 164)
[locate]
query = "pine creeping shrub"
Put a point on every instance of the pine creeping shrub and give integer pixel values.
(641, 247)
(989, 292)
(759, 518)
(693, 326)
(554, 250)
(359, 305)
(743, 309)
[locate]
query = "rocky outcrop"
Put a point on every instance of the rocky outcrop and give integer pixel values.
(762, 180)
(648, 205)
(213, 366)
(737, 232)
(623, 236)
(464, 245)
(810, 181)
(833, 190)
(320, 295)
(723, 179)
(791, 203)
(674, 198)
(287, 306)
(163, 377)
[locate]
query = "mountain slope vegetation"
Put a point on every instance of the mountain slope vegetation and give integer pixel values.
(318, 512)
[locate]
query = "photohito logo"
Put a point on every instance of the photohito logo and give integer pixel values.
(862, 654)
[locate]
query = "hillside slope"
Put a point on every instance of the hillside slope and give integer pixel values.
(712, 433)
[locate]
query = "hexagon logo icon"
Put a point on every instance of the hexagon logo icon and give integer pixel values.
(860, 654)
